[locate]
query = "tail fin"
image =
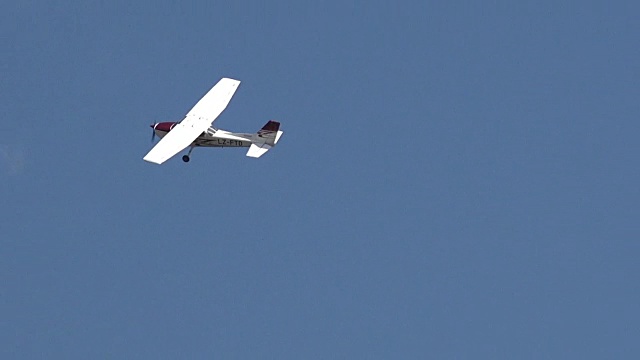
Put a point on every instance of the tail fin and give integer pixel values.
(269, 132)
(265, 139)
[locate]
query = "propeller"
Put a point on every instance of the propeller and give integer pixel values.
(153, 132)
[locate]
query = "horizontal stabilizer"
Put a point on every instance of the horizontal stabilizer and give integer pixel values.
(257, 150)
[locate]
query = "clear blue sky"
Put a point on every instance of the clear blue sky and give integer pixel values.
(457, 180)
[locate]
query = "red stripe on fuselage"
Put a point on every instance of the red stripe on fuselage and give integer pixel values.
(165, 126)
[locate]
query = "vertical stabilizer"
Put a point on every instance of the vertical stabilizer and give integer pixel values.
(269, 132)
(265, 139)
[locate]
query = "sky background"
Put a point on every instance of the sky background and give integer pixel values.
(456, 180)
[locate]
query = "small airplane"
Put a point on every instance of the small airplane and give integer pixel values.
(196, 130)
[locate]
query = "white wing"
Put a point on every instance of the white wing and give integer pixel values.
(181, 136)
(214, 102)
(197, 120)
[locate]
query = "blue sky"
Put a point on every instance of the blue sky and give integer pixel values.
(456, 180)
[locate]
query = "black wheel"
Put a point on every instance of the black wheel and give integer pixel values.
(185, 158)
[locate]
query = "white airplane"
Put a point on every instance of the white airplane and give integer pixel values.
(196, 129)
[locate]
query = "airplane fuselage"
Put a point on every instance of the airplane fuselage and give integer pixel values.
(210, 138)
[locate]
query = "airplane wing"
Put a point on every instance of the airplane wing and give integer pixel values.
(197, 120)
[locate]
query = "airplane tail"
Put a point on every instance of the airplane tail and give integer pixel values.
(265, 139)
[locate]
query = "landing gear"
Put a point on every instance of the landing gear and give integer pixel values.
(186, 158)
